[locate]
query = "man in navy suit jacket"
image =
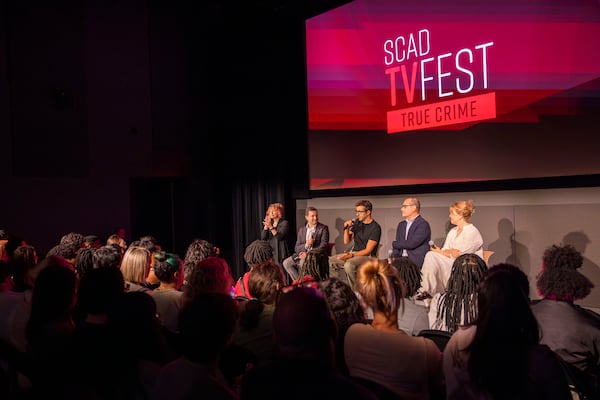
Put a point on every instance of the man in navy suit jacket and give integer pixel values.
(312, 236)
(414, 243)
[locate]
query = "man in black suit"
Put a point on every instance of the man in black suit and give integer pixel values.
(312, 236)
(412, 234)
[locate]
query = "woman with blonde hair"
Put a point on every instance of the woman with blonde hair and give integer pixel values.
(409, 366)
(135, 267)
(275, 231)
(463, 238)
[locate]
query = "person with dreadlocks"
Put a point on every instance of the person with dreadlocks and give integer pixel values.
(414, 319)
(256, 252)
(573, 332)
(314, 268)
(498, 356)
(456, 305)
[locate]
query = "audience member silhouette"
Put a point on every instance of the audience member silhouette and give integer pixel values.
(198, 250)
(572, 331)
(255, 326)
(500, 357)
(255, 253)
(456, 305)
(50, 327)
(206, 323)
(135, 267)
(304, 334)
(168, 268)
(409, 366)
(412, 318)
(346, 309)
(210, 275)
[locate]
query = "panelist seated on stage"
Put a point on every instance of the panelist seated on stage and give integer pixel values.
(412, 234)
(314, 235)
(366, 234)
(462, 239)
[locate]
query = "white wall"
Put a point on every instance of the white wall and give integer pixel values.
(518, 225)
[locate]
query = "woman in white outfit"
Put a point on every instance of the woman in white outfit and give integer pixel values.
(462, 239)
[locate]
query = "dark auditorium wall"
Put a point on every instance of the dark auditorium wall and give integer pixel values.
(117, 113)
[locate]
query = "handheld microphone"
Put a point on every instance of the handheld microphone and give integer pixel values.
(355, 222)
(432, 244)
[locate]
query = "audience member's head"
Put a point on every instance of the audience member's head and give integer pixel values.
(303, 326)
(198, 250)
(520, 276)
(211, 275)
(136, 264)
(168, 268)
(559, 278)
(92, 241)
(99, 289)
(506, 330)
(66, 250)
(84, 261)
(315, 266)
(380, 287)
(53, 296)
(264, 283)
(343, 303)
(24, 259)
(257, 252)
(74, 238)
(206, 325)
(107, 256)
(457, 304)
(410, 273)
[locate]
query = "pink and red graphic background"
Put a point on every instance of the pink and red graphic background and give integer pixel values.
(543, 67)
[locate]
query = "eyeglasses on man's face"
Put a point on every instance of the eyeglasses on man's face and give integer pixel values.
(360, 211)
(407, 205)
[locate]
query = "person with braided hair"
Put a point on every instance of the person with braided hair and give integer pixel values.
(413, 319)
(456, 305)
(314, 268)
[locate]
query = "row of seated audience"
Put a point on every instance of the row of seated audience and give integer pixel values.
(138, 322)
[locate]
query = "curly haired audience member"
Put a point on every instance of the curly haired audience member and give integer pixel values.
(210, 275)
(500, 357)
(456, 305)
(572, 331)
(346, 309)
(409, 366)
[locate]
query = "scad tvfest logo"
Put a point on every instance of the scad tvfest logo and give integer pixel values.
(444, 80)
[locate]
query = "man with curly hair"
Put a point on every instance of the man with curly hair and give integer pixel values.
(572, 331)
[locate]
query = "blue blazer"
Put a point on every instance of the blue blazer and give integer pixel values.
(416, 243)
